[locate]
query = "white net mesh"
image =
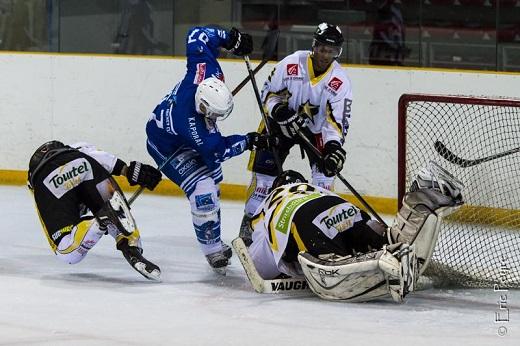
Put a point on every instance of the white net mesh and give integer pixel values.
(479, 245)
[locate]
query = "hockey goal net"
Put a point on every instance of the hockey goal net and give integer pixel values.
(478, 141)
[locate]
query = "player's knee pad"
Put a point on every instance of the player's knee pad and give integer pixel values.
(257, 191)
(116, 212)
(205, 211)
(106, 188)
(82, 237)
(115, 218)
(319, 179)
(390, 271)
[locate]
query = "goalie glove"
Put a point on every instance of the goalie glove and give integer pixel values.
(288, 121)
(144, 175)
(239, 43)
(257, 141)
(333, 159)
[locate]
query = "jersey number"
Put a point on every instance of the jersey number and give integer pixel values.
(201, 36)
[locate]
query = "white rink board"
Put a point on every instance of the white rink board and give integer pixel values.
(107, 100)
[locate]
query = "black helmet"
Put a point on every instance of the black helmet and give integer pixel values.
(328, 34)
(288, 177)
(42, 152)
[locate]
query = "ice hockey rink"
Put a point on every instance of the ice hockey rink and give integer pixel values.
(102, 301)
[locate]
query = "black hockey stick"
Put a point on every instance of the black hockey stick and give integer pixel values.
(270, 45)
(141, 188)
(262, 111)
(343, 180)
(449, 156)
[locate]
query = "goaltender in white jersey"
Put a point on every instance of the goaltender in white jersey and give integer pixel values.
(302, 230)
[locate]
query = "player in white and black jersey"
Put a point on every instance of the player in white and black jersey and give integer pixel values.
(304, 230)
(307, 91)
(78, 201)
(298, 216)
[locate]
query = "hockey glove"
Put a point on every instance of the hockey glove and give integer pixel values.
(141, 174)
(239, 43)
(333, 159)
(257, 141)
(290, 122)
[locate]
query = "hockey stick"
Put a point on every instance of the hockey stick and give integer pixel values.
(265, 286)
(141, 188)
(449, 156)
(262, 112)
(270, 46)
(344, 181)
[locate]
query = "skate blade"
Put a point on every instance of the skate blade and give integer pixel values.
(154, 275)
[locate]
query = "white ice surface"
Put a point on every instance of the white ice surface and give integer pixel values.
(102, 301)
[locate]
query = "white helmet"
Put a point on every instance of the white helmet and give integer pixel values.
(213, 99)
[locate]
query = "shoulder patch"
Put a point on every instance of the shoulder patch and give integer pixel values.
(335, 83)
(292, 69)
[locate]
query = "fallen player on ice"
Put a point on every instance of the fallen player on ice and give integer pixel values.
(304, 235)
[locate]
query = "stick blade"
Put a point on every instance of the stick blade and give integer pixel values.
(449, 156)
(249, 267)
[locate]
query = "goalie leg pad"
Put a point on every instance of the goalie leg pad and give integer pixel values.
(356, 279)
(418, 222)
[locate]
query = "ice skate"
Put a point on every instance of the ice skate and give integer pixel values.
(134, 257)
(218, 261)
(226, 249)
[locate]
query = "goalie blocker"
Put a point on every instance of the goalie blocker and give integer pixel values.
(331, 258)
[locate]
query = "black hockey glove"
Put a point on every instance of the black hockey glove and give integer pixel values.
(333, 159)
(239, 43)
(141, 174)
(290, 122)
(257, 141)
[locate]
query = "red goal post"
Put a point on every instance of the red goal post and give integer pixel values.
(478, 140)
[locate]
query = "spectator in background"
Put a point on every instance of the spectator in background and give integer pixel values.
(136, 30)
(26, 26)
(388, 40)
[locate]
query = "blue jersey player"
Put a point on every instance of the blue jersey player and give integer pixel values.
(183, 126)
